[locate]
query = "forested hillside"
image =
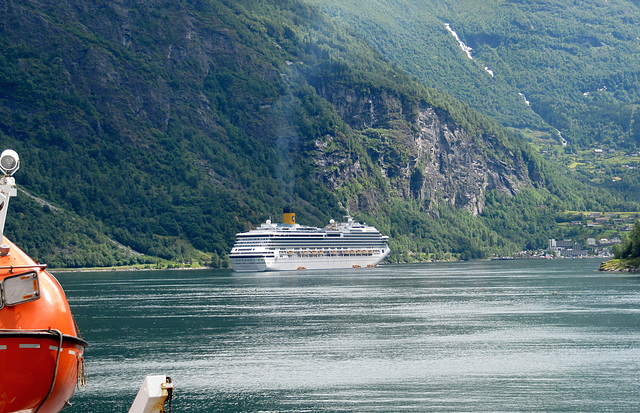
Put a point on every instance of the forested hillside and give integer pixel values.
(552, 65)
(159, 130)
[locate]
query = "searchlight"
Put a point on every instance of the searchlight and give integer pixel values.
(9, 162)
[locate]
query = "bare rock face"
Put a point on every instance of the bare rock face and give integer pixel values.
(422, 153)
(451, 166)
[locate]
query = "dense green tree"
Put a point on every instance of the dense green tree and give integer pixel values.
(630, 248)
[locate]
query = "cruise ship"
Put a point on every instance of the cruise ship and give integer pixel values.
(289, 246)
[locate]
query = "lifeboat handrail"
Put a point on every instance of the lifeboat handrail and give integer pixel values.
(11, 267)
(40, 333)
(55, 370)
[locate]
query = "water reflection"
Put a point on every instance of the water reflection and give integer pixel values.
(478, 336)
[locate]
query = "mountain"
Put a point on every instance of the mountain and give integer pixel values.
(558, 67)
(157, 130)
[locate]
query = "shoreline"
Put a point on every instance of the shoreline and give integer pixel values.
(127, 269)
(134, 269)
(621, 265)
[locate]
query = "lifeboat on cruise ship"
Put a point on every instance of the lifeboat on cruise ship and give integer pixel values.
(41, 350)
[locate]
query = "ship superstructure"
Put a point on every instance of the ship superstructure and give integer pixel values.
(290, 246)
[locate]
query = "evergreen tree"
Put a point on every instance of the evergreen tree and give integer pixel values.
(630, 248)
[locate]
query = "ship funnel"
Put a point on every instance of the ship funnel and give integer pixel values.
(288, 216)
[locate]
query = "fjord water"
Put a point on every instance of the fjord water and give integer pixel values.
(554, 336)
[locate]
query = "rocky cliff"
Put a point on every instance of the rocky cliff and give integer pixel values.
(422, 152)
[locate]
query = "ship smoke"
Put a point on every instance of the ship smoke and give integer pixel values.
(287, 143)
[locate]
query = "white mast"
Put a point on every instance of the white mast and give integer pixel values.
(9, 164)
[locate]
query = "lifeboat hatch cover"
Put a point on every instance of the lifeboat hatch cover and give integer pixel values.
(20, 288)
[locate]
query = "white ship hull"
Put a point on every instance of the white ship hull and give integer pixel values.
(289, 246)
(318, 262)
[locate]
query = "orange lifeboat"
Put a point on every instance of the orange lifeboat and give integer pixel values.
(41, 350)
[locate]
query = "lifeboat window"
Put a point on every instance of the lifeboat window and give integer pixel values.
(20, 288)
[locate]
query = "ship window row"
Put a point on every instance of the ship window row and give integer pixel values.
(289, 240)
(328, 247)
(309, 244)
(304, 239)
(309, 235)
(324, 245)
